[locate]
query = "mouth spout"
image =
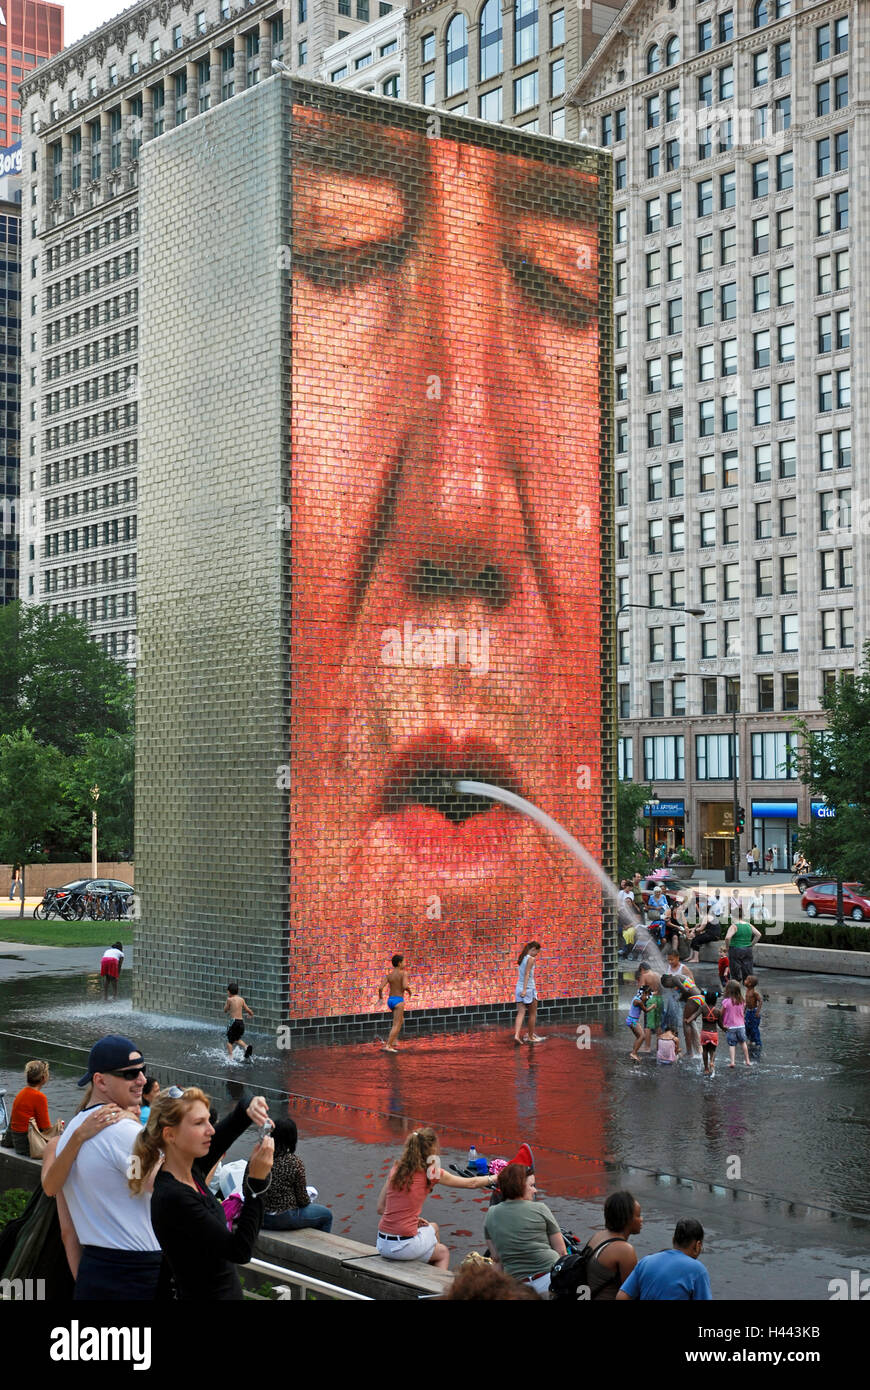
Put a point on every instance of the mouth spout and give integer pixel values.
(466, 787)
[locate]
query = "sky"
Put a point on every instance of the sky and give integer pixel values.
(83, 16)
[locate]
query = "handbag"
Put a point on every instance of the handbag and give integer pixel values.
(39, 1139)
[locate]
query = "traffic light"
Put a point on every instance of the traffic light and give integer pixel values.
(741, 820)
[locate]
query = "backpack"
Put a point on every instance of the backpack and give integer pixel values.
(569, 1277)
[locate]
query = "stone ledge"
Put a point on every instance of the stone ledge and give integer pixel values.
(16, 1171)
(351, 1265)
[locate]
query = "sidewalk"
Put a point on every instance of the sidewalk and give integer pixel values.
(716, 877)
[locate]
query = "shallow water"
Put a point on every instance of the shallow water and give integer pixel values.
(771, 1159)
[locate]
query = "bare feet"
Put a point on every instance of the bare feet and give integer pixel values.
(519, 1040)
(391, 1049)
(634, 1058)
(535, 1037)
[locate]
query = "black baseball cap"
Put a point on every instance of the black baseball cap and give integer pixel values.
(111, 1053)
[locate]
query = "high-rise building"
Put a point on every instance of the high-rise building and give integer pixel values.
(10, 356)
(87, 115)
(30, 32)
(739, 137)
(510, 63)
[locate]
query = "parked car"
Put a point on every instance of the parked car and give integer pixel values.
(820, 900)
(808, 878)
(69, 898)
(672, 888)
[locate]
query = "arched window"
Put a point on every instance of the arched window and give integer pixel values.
(759, 14)
(457, 55)
(672, 51)
(781, 8)
(653, 58)
(525, 30)
(390, 85)
(491, 56)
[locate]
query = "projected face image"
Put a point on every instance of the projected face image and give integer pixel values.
(445, 565)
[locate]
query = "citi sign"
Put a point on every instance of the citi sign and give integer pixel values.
(820, 810)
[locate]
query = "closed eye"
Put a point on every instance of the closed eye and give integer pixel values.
(346, 267)
(550, 294)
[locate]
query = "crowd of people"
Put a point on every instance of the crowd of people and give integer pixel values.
(136, 1176)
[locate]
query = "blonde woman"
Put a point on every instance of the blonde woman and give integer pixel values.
(175, 1152)
(29, 1104)
(402, 1232)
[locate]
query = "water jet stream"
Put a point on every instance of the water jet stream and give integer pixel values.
(573, 846)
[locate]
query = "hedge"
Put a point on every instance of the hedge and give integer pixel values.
(823, 935)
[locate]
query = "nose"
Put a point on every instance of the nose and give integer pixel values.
(461, 525)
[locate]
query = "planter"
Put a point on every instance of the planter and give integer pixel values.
(683, 870)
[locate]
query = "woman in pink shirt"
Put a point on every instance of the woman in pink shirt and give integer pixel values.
(402, 1233)
(734, 1022)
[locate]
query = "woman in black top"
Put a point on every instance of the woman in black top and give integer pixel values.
(188, 1221)
(610, 1254)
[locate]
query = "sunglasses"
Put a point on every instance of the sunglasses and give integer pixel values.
(129, 1073)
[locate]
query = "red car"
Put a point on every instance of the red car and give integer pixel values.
(821, 901)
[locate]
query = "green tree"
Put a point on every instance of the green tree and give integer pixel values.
(32, 814)
(631, 857)
(56, 681)
(835, 764)
(105, 761)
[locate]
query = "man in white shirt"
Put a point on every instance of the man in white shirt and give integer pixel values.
(120, 1257)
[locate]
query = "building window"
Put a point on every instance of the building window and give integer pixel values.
(525, 31)
(716, 757)
(427, 48)
(760, 179)
(773, 757)
(228, 72)
(158, 98)
(491, 50)
(663, 759)
(252, 58)
(457, 57)
(180, 98)
(525, 92)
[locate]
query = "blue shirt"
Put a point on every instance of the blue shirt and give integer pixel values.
(668, 1276)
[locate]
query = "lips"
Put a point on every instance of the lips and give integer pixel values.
(427, 820)
(425, 773)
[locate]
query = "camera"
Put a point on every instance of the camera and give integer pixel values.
(264, 1131)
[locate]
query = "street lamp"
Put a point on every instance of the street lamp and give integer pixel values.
(666, 607)
(95, 793)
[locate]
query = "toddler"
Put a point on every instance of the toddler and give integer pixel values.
(734, 1022)
(753, 1013)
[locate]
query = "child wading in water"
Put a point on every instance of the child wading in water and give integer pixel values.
(724, 965)
(636, 1008)
(397, 982)
(653, 1021)
(668, 1049)
(235, 1006)
(734, 1021)
(753, 1013)
(525, 993)
(710, 1016)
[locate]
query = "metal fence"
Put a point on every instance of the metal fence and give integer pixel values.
(291, 1285)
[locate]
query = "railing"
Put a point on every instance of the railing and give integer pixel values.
(291, 1280)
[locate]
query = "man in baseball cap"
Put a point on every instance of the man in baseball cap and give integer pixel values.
(120, 1254)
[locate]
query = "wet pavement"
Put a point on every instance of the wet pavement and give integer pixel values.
(771, 1159)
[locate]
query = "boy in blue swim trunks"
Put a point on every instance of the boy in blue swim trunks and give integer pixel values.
(397, 982)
